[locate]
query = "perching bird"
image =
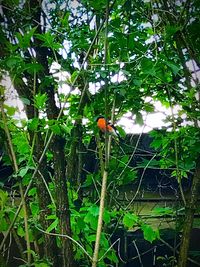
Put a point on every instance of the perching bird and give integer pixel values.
(106, 126)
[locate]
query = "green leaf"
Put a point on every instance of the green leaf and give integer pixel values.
(3, 198)
(32, 191)
(112, 256)
(92, 216)
(2, 91)
(55, 129)
(106, 216)
(129, 176)
(94, 210)
(148, 67)
(171, 30)
(174, 68)
(130, 220)
(10, 110)
(139, 119)
(25, 100)
(34, 208)
(121, 131)
(33, 124)
(51, 217)
(23, 171)
(149, 107)
(3, 225)
(91, 238)
(97, 5)
(20, 231)
(33, 68)
(65, 20)
(123, 161)
(149, 234)
(52, 226)
(137, 82)
(13, 62)
(24, 40)
(88, 181)
(48, 40)
(162, 211)
(26, 179)
(40, 101)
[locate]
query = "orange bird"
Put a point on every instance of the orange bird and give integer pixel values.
(106, 126)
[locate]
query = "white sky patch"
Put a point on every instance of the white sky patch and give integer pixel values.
(74, 4)
(130, 127)
(151, 120)
(192, 66)
(85, 121)
(12, 99)
(155, 17)
(64, 89)
(55, 67)
(94, 87)
(66, 49)
(92, 23)
(153, 38)
(62, 77)
(119, 77)
(146, 25)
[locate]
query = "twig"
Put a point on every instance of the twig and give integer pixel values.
(109, 248)
(107, 153)
(67, 236)
(137, 191)
(139, 256)
(143, 253)
(46, 185)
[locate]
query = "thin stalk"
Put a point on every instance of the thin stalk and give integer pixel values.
(100, 219)
(100, 152)
(107, 152)
(14, 160)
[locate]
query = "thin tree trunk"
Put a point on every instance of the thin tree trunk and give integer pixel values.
(50, 247)
(189, 217)
(63, 212)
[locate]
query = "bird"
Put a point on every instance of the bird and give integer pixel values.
(106, 126)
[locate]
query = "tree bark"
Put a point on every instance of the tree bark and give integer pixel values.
(62, 203)
(50, 247)
(189, 217)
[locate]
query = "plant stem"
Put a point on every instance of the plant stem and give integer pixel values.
(107, 153)
(14, 160)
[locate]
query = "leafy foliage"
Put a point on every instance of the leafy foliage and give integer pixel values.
(66, 74)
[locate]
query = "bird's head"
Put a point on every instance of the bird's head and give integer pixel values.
(99, 117)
